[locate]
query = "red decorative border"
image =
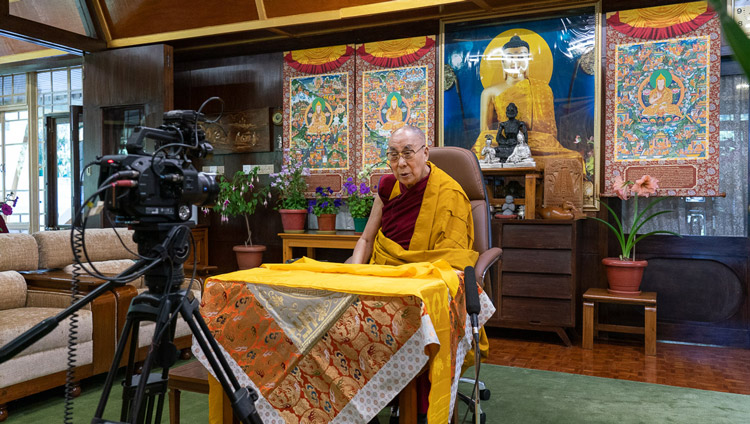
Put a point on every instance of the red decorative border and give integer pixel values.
(396, 62)
(707, 171)
(322, 68)
(647, 33)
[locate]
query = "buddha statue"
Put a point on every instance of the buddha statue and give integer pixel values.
(534, 103)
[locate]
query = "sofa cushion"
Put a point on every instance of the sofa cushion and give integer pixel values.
(101, 244)
(13, 289)
(41, 364)
(18, 252)
(14, 322)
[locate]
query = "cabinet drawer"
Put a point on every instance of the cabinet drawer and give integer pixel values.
(536, 311)
(556, 286)
(537, 261)
(530, 236)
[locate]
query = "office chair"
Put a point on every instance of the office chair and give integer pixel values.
(462, 165)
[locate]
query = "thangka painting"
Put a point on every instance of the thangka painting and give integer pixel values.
(663, 98)
(540, 72)
(318, 102)
(395, 88)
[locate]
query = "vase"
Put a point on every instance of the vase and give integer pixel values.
(624, 276)
(327, 223)
(249, 256)
(360, 224)
(293, 220)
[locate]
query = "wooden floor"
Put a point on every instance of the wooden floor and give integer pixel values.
(699, 367)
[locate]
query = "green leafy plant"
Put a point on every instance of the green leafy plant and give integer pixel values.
(291, 184)
(241, 196)
(644, 187)
(323, 202)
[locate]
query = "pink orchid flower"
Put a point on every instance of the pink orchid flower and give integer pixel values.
(646, 186)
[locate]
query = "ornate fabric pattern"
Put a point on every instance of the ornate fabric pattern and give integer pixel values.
(361, 362)
(392, 94)
(662, 110)
(318, 101)
(661, 22)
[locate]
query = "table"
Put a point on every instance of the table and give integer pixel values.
(312, 240)
(531, 175)
(592, 326)
(192, 377)
(311, 349)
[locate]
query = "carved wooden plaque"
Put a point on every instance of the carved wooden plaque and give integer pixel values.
(563, 182)
(240, 132)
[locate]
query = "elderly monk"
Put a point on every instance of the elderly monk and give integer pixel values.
(421, 214)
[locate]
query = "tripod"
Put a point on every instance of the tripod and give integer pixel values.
(144, 394)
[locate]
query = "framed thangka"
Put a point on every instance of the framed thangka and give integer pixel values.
(663, 98)
(396, 87)
(318, 100)
(547, 69)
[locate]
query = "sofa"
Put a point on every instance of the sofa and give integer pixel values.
(43, 365)
(35, 275)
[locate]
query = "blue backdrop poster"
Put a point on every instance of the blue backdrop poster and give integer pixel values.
(546, 67)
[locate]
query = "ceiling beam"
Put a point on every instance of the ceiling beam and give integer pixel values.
(48, 36)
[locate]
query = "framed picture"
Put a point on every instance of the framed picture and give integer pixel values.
(547, 68)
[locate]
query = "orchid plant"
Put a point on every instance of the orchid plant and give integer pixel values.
(241, 196)
(7, 205)
(643, 187)
(323, 203)
(291, 184)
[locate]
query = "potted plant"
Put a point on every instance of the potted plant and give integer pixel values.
(360, 200)
(6, 209)
(240, 196)
(624, 274)
(325, 208)
(291, 184)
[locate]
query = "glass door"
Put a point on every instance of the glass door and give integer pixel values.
(59, 183)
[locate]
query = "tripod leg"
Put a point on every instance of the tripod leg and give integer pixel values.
(242, 398)
(113, 368)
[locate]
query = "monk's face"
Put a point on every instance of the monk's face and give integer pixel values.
(318, 108)
(394, 103)
(660, 84)
(409, 172)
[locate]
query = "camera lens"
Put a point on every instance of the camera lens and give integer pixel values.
(208, 189)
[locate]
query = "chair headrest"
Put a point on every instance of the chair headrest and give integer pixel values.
(463, 166)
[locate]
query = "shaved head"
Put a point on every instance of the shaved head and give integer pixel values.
(413, 133)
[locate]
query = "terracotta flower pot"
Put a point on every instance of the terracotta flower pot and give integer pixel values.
(293, 220)
(624, 276)
(249, 256)
(327, 223)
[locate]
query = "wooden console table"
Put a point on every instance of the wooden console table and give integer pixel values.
(312, 240)
(531, 176)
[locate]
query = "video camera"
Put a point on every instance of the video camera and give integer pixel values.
(159, 187)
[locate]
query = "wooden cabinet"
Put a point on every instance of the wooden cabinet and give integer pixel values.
(537, 286)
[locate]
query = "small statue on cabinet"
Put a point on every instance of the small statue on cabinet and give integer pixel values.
(508, 207)
(521, 155)
(488, 152)
(507, 134)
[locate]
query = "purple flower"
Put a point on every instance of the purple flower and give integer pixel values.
(337, 203)
(7, 209)
(226, 202)
(325, 204)
(364, 189)
(319, 190)
(349, 180)
(330, 191)
(15, 201)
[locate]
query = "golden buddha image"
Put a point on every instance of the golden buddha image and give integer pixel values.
(393, 114)
(516, 68)
(661, 99)
(319, 116)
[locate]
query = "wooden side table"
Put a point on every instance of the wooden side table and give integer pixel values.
(312, 240)
(192, 377)
(591, 325)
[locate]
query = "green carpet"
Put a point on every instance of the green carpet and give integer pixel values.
(518, 396)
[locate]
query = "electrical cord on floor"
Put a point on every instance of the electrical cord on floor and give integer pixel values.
(77, 237)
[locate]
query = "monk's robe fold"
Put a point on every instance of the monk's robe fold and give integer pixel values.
(444, 227)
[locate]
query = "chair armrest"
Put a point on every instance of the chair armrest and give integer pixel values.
(485, 261)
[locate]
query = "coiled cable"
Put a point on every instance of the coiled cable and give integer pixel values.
(77, 237)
